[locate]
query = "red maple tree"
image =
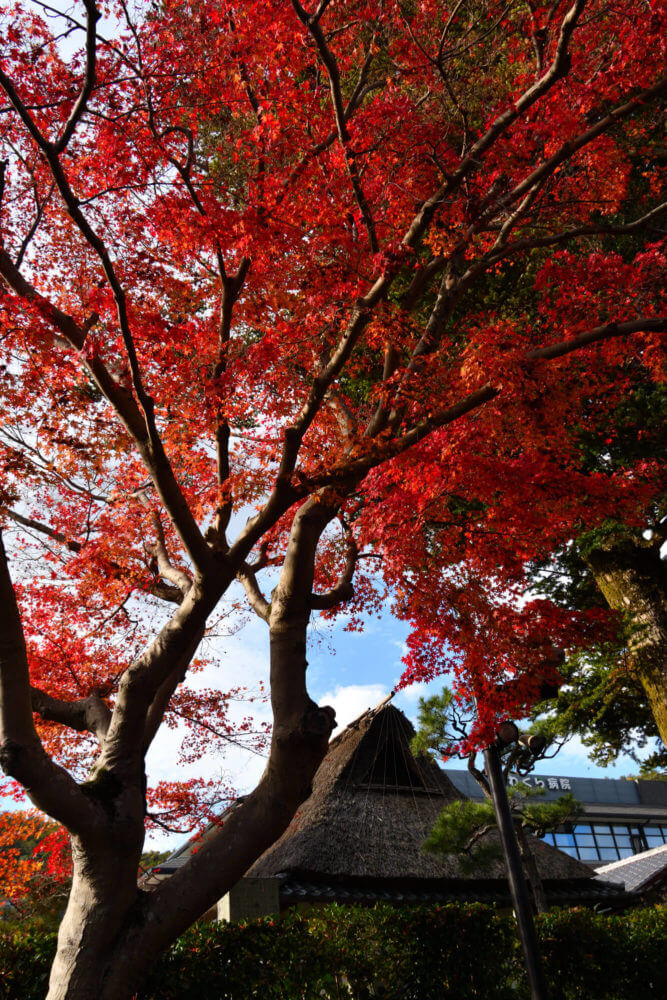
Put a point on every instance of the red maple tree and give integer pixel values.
(34, 863)
(247, 266)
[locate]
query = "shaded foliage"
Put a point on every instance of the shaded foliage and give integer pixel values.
(455, 951)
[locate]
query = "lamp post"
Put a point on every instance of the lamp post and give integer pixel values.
(508, 734)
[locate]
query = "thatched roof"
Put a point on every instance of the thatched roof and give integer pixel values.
(372, 805)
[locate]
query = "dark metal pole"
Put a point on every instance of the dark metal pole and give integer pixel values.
(518, 889)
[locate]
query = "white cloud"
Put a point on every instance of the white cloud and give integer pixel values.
(350, 700)
(420, 689)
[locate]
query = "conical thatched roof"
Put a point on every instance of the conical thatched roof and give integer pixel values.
(372, 805)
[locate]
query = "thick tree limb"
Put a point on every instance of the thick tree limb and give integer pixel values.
(477, 835)
(231, 289)
(161, 664)
(44, 529)
(90, 714)
(22, 755)
(479, 776)
(608, 331)
(163, 695)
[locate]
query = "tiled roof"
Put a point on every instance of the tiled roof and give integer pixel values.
(564, 893)
(638, 871)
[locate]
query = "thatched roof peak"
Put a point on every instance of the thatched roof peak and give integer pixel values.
(371, 807)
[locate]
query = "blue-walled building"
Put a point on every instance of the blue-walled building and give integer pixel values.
(619, 817)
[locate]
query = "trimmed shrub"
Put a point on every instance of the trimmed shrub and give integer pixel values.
(272, 959)
(419, 953)
(590, 957)
(455, 952)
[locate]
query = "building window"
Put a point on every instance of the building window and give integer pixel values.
(606, 841)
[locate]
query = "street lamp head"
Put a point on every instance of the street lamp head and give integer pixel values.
(507, 733)
(535, 743)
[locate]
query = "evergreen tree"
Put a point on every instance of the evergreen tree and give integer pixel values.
(461, 826)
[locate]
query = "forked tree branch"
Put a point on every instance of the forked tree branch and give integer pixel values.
(146, 435)
(559, 68)
(344, 589)
(311, 22)
(362, 310)
(356, 468)
(179, 578)
(572, 146)
(92, 17)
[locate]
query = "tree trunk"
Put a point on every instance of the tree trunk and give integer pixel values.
(632, 579)
(530, 868)
(104, 889)
(112, 931)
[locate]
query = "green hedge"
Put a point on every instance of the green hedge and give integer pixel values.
(589, 957)
(26, 953)
(338, 953)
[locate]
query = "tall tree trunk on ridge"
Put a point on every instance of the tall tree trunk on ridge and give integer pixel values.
(632, 579)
